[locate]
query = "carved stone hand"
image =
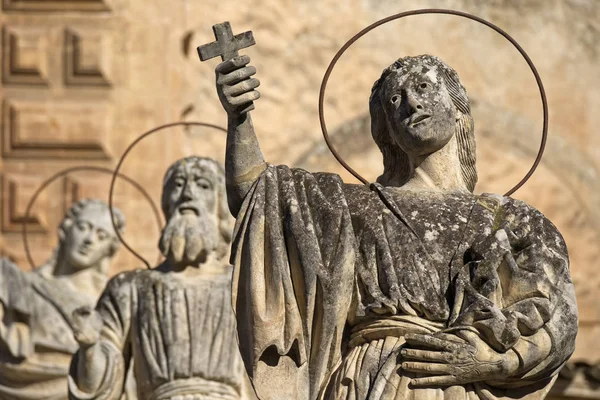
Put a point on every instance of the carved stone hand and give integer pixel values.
(455, 359)
(86, 323)
(235, 88)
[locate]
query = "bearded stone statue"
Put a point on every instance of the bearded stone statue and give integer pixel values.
(412, 288)
(174, 322)
(36, 327)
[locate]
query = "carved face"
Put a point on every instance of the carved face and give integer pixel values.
(190, 192)
(90, 238)
(189, 202)
(420, 114)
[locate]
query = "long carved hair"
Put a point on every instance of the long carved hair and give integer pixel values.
(396, 164)
(217, 176)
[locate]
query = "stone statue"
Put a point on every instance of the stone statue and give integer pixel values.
(174, 322)
(36, 338)
(413, 288)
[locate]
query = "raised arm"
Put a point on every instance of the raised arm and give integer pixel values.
(243, 159)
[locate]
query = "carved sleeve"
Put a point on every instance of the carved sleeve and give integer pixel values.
(515, 289)
(540, 251)
(114, 352)
(293, 253)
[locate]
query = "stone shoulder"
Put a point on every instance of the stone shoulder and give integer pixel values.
(526, 219)
(123, 280)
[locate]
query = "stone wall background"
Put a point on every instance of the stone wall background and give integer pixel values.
(81, 79)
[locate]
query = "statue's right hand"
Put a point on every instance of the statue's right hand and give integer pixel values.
(236, 88)
(86, 324)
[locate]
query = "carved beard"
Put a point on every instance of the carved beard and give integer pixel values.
(188, 238)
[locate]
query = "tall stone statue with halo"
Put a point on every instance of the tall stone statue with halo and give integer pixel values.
(36, 326)
(412, 288)
(175, 321)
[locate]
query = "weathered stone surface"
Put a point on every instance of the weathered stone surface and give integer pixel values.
(411, 288)
(36, 327)
(175, 322)
(147, 57)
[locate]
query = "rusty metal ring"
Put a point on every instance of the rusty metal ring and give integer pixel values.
(77, 169)
(435, 11)
(127, 150)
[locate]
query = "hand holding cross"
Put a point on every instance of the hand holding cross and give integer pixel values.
(235, 87)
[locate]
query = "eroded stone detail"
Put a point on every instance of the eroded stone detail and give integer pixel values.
(414, 288)
(174, 322)
(36, 327)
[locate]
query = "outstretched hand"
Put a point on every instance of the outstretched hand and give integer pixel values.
(236, 88)
(455, 359)
(86, 324)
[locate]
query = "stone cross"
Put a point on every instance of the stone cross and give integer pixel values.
(226, 45)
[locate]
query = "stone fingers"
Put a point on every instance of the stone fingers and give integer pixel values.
(450, 337)
(236, 88)
(241, 87)
(426, 355)
(244, 98)
(231, 65)
(471, 338)
(236, 76)
(428, 368)
(442, 380)
(431, 342)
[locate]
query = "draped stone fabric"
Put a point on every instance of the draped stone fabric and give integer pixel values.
(181, 335)
(329, 278)
(36, 340)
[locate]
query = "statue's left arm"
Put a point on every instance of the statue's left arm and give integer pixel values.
(99, 367)
(516, 316)
(538, 297)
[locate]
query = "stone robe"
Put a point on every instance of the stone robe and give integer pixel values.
(36, 339)
(329, 278)
(180, 334)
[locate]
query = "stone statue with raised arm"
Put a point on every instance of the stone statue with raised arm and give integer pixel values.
(412, 288)
(174, 322)
(36, 327)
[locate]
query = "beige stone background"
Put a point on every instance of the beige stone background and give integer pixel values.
(81, 79)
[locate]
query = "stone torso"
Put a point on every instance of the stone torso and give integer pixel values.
(182, 330)
(405, 265)
(339, 277)
(35, 316)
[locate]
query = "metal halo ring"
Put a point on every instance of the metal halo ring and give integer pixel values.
(435, 11)
(76, 169)
(127, 150)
